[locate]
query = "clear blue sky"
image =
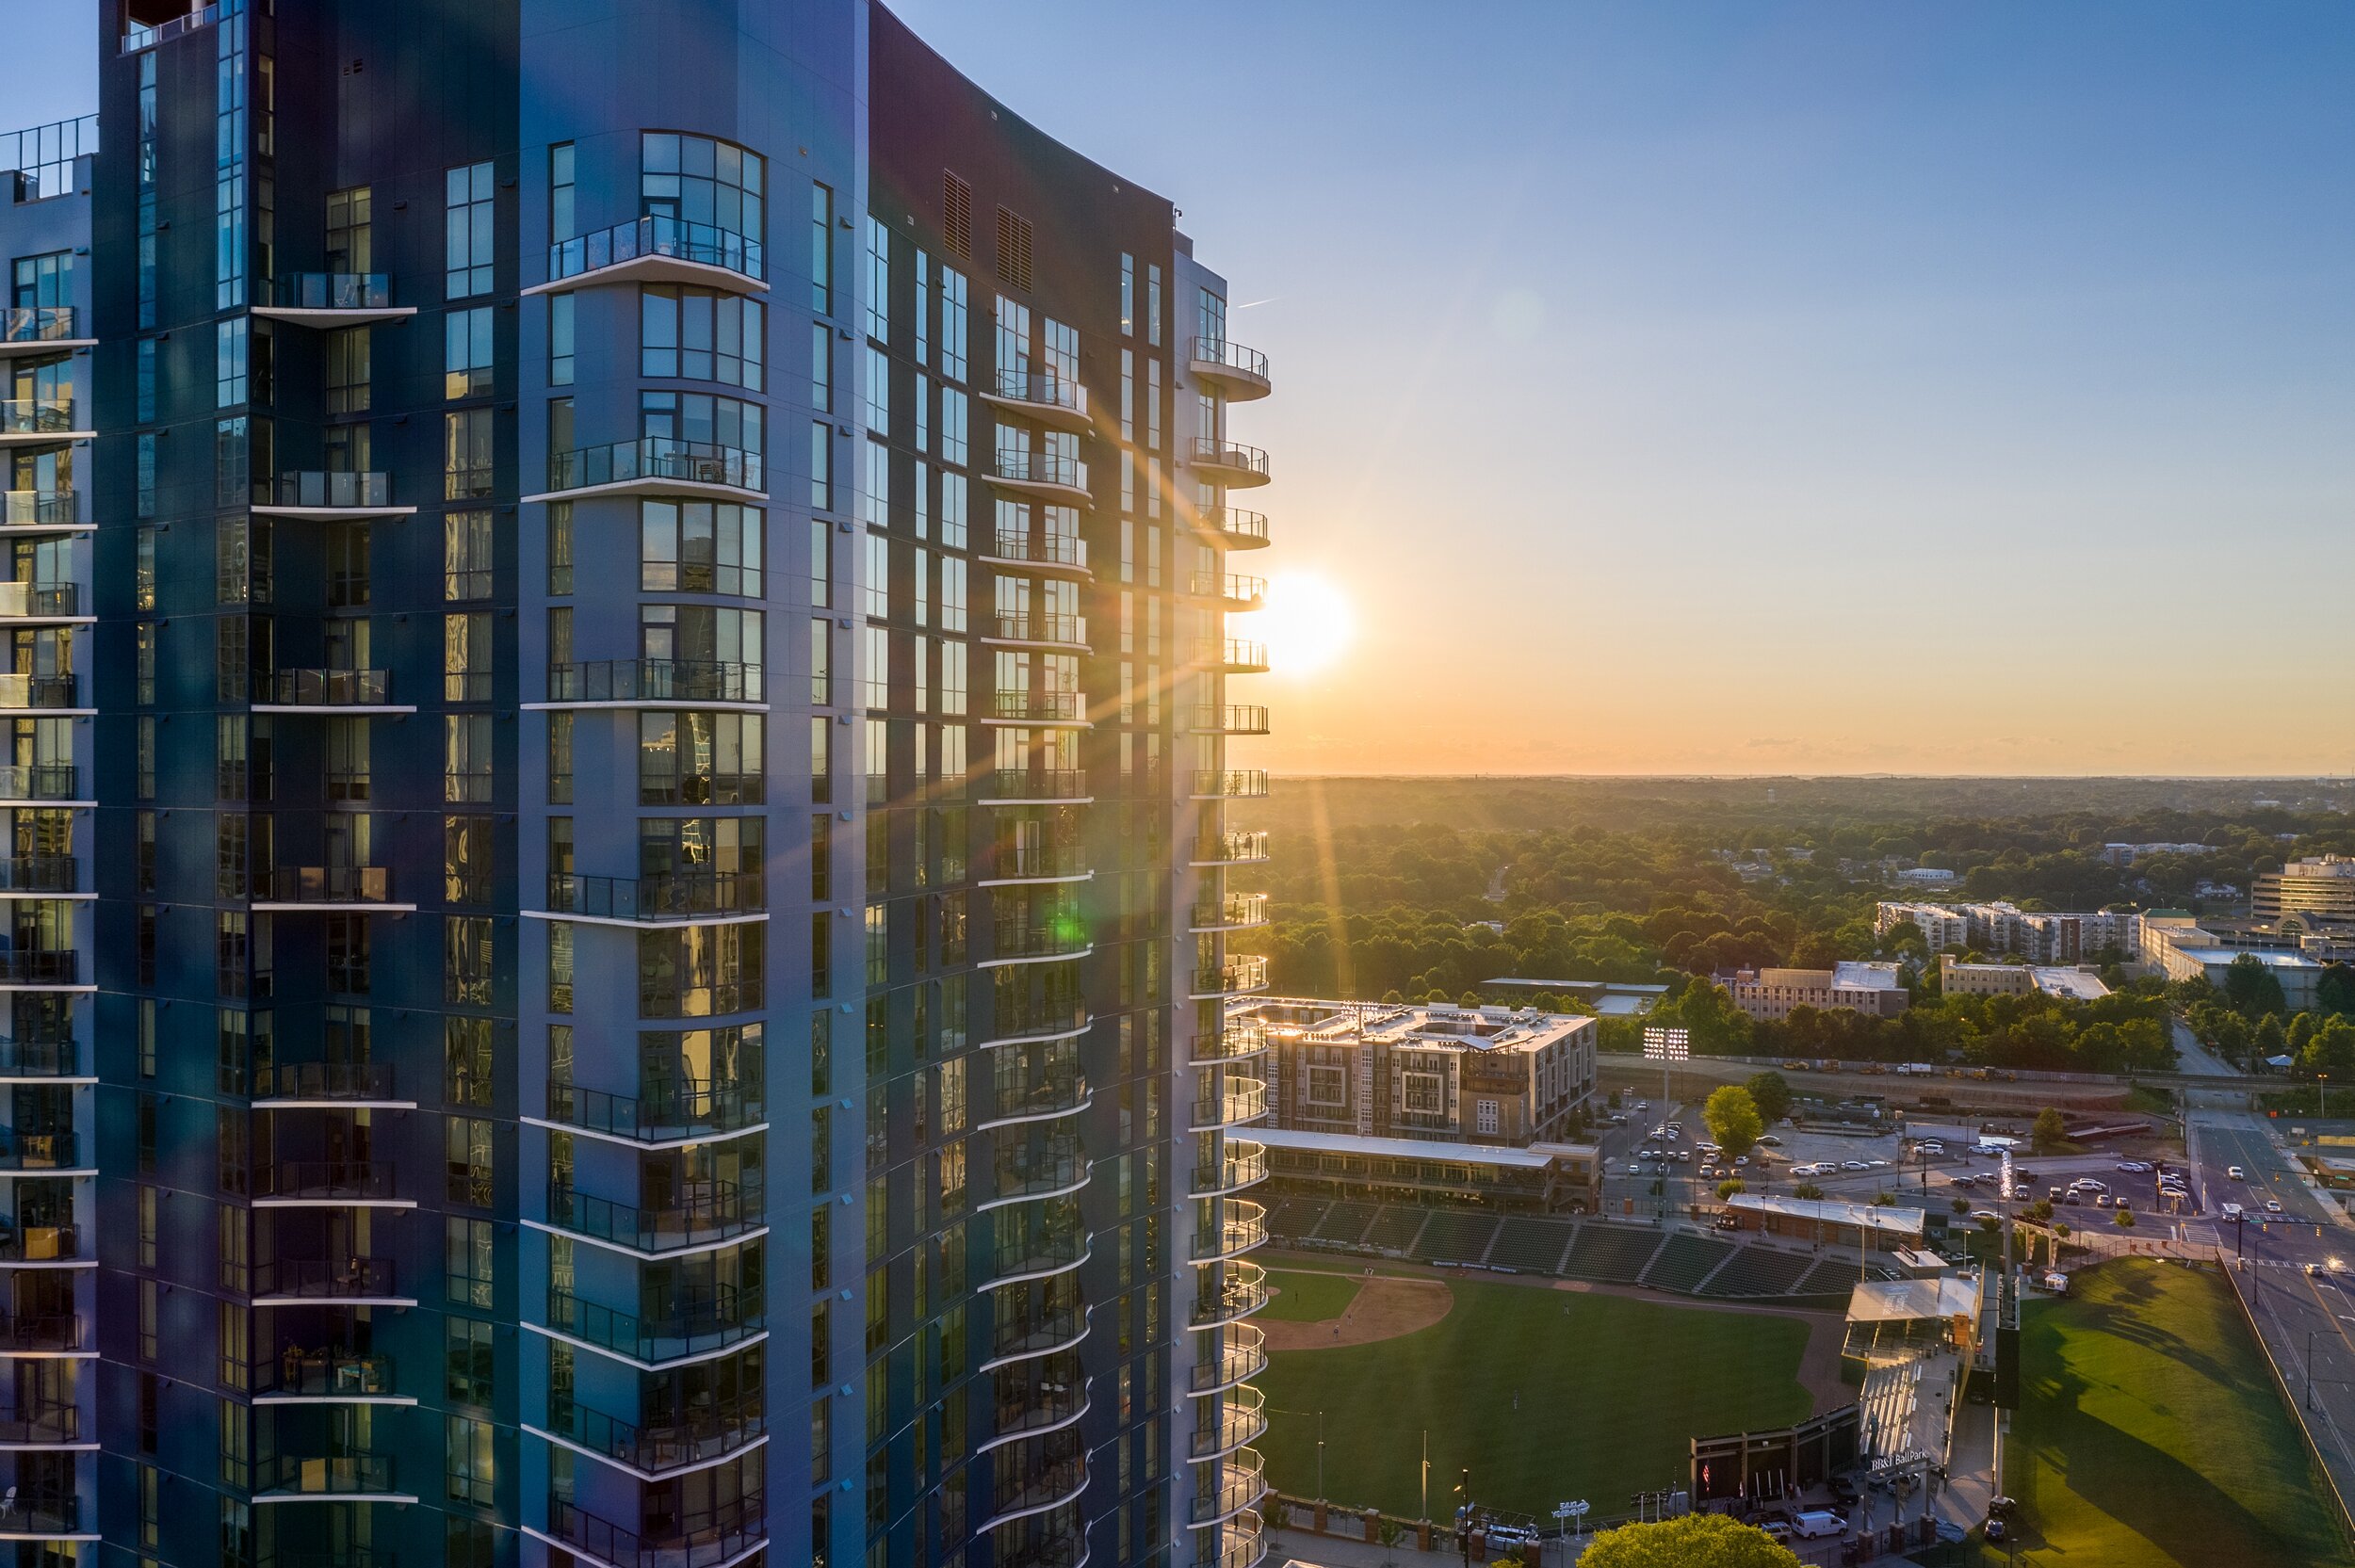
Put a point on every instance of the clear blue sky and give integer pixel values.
(1757, 387)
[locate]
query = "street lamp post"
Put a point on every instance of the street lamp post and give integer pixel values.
(2322, 1096)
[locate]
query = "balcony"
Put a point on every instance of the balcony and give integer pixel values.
(331, 497)
(1044, 475)
(41, 512)
(655, 683)
(1240, 973)
(333, 1375)
(42, 969)
(1242, 784)
(41, 1152)
(1032, 941)
(1245, 1101)
(1059, 709)
(356, 1475)
(27, 331)
(43, 1424)
(31, 693)
(1058, 554)
(1238, 1419)
(1237, 656)
(1236, 1356)
(1231, 719)
(658, 249)
(659, 1448)
(711, 1538)
(1241, 1291)
(1029, 1335)
(1235, 528)
(1236, 911)
(44, 1333)
(667, 899)
(714, 1212)
(1033, 1402)
(327, 1184)
(1234, 1043)
(1238, 1483)
(46, 1516)
(1038, 1257)
(672, 1114)
(296, 1085)
(695, 1326)
(39, 876)
(1040, 1489)
(342, 1279)
(328, 888)
(32, 1245)
(1232, 593)
(1231, 849)
(39, 421)
(1031, 629)
(1242, 1233)
(1014, 863)
(1244, 1167)
(352, 692)
(1238, 371)
(1240, 1543)
(1040, 394)
(1055, 1017)
(1043, 786)
(1051, 1169)
(1059, 1091)
(332, 300)
(1229, 464)
(1065, 1547)
(40, 602)
(656, 465)
(147, 35)
(39, 1058)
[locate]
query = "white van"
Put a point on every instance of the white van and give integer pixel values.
(1821, 1521)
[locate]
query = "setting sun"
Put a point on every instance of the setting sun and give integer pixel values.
(1306, 623)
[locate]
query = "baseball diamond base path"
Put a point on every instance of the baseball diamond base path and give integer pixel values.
(1385, 1307)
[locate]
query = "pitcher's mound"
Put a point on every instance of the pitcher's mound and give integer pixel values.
(1384, 1308)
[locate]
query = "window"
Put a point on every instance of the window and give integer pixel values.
(467, 671)
(466, 1065)
(560, 547)
(1483, 1115)
(878, 391)
(822, 249)
(466, 554)
(466, 961)
(468, 1261)
(820, 367)
(466, 359)
(698, 180)
(469, 1143)
(466, 852)
(561, 175)
(559, 963)
(466, 758)
(466, 1361)
(347, 552)
(701, 547)
(560, 759)
(1127, 295)
(700, 970)
(229, 363)
(349, 939)
(820, 661)
(877, 281)
(349, 246)
(821, 465)
(874, 499)
(560, 335)
(466, 455)
(953, 323)
(702, 335)
(469, 238)
(952, 427)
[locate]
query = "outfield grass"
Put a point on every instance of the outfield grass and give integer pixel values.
(2149, 1433)
(1611, 1390)
(1309, 1298)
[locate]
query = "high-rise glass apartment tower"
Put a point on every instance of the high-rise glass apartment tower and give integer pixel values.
(642, 980)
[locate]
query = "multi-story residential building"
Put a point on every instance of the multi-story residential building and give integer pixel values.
(2039, 936)
(2318, 890)
(1941, 926)
(1875, 990)
(1958, 979)
(660, 951)
(49, 1148)
(1504, 1076)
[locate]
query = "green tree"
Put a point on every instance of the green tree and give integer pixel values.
(1733, 1120)
(2126, 1219)
(1728, 1188)
(2270, 1040)
(2335, 988)
(1807, 1190)
(2049, 1130)
(1962, 1205)
(1772, 1095)
(1694, 1541)
(2250, 989)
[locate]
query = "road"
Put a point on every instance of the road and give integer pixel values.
(2194, 1060)
(2307, 1320)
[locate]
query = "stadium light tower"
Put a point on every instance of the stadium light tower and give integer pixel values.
(1667, 1046)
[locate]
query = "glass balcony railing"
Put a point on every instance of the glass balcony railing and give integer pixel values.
(1065, 937)
(1238, 461)
(1240, 1290)
(315, 490)
(1241, 1482)
(1240, 783)
(1233, 1356)
(655, 681)
(1026, 1095)
(1240, 973)
(36, 324)
(329, 291)
(355, 1471)
(1245, 1166)
(40, 873)
(1234, 1043)
(325, 688)
(21, 601)
(1217, 355)
(1228, 1422)
(324, 1081)
(657, 457)
(137, 36)
(339, 1277)
(1045, 784)
(39, 1243)
(1237, 529)
(36, 1057)
(1239, 591)
(37, 1149)
(670, 896)
(40, 966)
(1244, 1101)
(42, 1514)
(666, 1113)
(1039, 1487)
(705, 1539)
(36, 1333)
(1068, 550)
(1048, 1253)
(42, 1423)
(331, 1372)
(711, 1211)
(1029, 1170)
(661, 1444)
(1229, 718)
(326, 885)
(670, 238)
(36, 416)
(1032, 626)
(691, 1325)
(1234, 910)
(38, 691)
(37, 508)
(1035, 1334)
(327, 1181)
(1046, 707)
(1036, 862)
(1039, 468)
(1240, 657)
(1042, 389)
(1231, 848)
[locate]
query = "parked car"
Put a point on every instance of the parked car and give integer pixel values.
(1769, 1141)
(1854, 1165)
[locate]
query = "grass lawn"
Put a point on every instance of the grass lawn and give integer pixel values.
(1611, 1391)
(2150, 1433)
(1309, 1298)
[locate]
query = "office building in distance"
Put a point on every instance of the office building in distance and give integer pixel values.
(620, 888)
(2317, 891)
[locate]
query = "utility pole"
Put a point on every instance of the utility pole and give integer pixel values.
(1426, 1475)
